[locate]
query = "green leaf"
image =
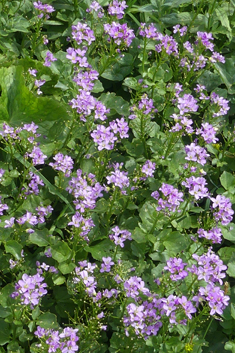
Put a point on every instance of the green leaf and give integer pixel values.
(210, 80)
(66, 268)
(120, 69)
(139, 236)
(227, 180)
(227, 73)
(39, 237)
(61, 251)
(24, 107)
(231, 269)
(4, 332)
(230, 346)
(222, 14)
(226, 254)
(14, 248)
(175, 3)
(183, 18)
(58, 279)
(101, 249)
(229, 232)
(177, 242)
(47, 320)
(115, 103)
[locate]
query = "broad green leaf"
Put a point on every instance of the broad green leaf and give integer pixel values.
(102, 249)
(120, 69)
(230, 346)
(66, 268)
(4, 332)
(183, 18)
(58, 279)
(116, 103)
(222, 14)
(18, 24)
(139, 236)
(144, 8)
(175, 3)
(61, 251)
(176, 242)
(14, 248)
(39, 237)
(227, 73)
(227, 253)
(231, 269)
(227, 180)
(47, 320)
(24, 107)
(210, 80)
(229, 232)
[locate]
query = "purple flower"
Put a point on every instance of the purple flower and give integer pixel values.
(118, 178)
(106, 265)
(176, 267)
(117, 8)
(171, 198)
(62, 163)
(37, 156)
(121, 34)
(120, 236)
(224, 212)
(196, 187)
(196, 153)
(49, 58)
(187, 104)
(44, 9)
(82, 34)
(148, 168)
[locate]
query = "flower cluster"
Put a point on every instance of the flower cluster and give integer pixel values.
(148, 168)
(85, 190)
(144, 106)
(121, 34)
(49, 59)
(171, 198)
(118, 178)
(84, 275)
(176, 267)
(207, 132)
(66, 341)
(117, 8)
(85, 104)
(105, 137)
(85, 224)
(119, 236)
(30, 289)
(45, 9)
(197, 187)
(222, 209)
(3, 207)
(33, 185)
(95, 6)
(214, 234)
(221, 105)
(106, 265)
(82, 34)
(62, 163)
(196, 153)
(37, 156)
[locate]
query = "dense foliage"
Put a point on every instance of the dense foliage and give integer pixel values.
(117, 176)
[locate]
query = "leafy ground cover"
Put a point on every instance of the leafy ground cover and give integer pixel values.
(117, 176)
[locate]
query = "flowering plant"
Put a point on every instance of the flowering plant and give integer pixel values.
(117, 176)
